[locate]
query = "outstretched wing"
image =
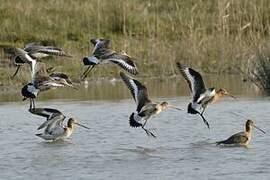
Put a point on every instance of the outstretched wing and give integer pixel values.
(99, 44)
(124, 61)
(43, 82)
(53, 123)
(23, 55)
(138, 91)
(194, 80)
(33, 48)
(48, 113)
(58, 76)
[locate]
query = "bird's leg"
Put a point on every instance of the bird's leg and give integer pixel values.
(30, 103)
(144, 123)
(34, 106)
(149, 133)
(17, 70)
(86, 72)
(203, 110)
(204, 120)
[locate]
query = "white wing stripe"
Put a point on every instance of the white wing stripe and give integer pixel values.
(135, 90)
(191, 80)
(124, 63)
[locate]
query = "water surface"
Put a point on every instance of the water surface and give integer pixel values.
(184, 147)
(113, 150)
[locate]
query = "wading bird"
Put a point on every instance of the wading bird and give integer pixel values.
(34, 51)
(42, 70)
(42, 82)
(241, 138)
(201, 97)
(145, 107)
(54, 128)
(102, 54)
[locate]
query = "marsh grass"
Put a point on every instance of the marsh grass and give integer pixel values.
(215, 36)
(257, 70)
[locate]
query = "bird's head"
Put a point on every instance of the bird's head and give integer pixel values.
(250, 124)
(72, 121)
(101, 42)
(165, 105)
(224, 92)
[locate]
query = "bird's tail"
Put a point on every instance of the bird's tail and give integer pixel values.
(134, 120)
(90, 60)
(220, 142)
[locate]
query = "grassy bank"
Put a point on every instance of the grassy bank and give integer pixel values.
(215, 36)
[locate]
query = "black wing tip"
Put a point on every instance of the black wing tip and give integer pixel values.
(132, 122)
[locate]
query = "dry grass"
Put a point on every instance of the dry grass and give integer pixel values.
(216, 36)
(257, 70)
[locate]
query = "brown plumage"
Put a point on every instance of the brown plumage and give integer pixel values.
(241, 138)
(102, 54)
(201, 97)
(145, 107)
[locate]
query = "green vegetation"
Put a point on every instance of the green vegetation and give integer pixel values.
(216, 36)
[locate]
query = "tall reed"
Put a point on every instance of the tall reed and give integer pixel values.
(215, 36)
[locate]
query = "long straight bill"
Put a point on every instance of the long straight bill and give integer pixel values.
(82, 126)
(259, 129)
(174, 107)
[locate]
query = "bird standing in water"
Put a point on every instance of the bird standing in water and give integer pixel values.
(201, 97)
(102, 54)
(145, 107)
(241, 138)
(54, 128)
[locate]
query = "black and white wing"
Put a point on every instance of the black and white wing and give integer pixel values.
(22, 55)
(138, 91)
(43, 83)
(124, 61)
(59, 76)
(53, 123)
(34, 48)
(54, 117)
(99, 44)
(48, 113)
(194, 80)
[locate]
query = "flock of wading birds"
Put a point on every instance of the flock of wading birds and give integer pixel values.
(43, 79)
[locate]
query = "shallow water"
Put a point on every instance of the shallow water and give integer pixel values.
(184, 147)
(114, 89)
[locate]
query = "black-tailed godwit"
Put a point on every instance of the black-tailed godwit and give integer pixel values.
(54, 128)
(102, 54)
(145, 107)
(201, 97)
(241, 138)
